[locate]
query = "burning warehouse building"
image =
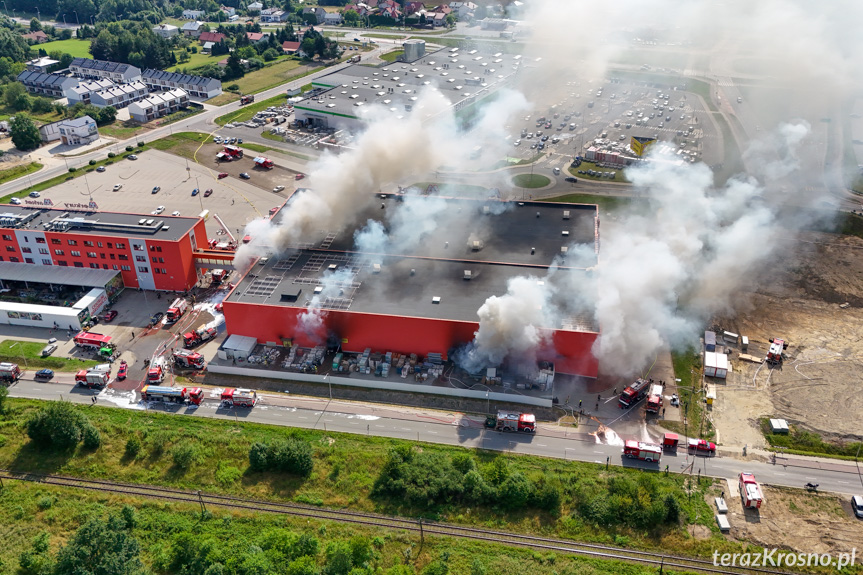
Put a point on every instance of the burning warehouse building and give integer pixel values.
(410, 274)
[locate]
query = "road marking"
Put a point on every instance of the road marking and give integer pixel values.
(541, 445)
(781, 474)
(302, 417)
(376, 425)
(845, 482)
(600, 452)
(435, 432)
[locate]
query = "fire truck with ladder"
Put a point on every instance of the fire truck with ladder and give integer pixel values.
(512, 421)
(634, 393)
(187, 359)
(644, 451)
(97, 376)
(10, 372)
(172, 394)
(774, 354)
(155, 374)
(654, 398)
(239, 397)
(199, 336)
(177, 309)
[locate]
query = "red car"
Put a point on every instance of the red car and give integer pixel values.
(702, 446)
(109, 315)
(124, 368)
(300, 176)
(219, 306)
(208, 193)
(223, 175)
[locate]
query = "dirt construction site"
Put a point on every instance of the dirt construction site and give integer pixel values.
(811, 297)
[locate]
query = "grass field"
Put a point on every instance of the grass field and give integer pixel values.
(19, 351)
(391, 56)
(802, 442)
(195, 60)
(224, 98)
(607, 204)
(345, 469)
(122, 130)
(531, 181)
(272, 76)
(33, 509)
(249, 110)
(16, 172)
(259, 148)
(687, 370)
(75, 48)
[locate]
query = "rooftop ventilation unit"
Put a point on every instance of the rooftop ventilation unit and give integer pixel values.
(476, 245)
(291, 294)
(563, 250)
(376, 268)
(436, 299)
(332, 267)
(566, 214)
(564, 233)
(319, 289)
(486, 210)
(467, 274)
(142, 221)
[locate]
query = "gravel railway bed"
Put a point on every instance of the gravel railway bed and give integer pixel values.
(389, 522)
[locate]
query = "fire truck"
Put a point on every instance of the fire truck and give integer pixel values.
(262, 162)
(654, 398)
(10, 372)
(633, 393)
(93, 341)
(643, 451)
(199, 336)
(94, 377)
(233, 151)
(172, 394)
(188, 359)
(217, 277)
(512, 421)
(750, 491)
(240, 397)
(774, 354)
(177, 309)
(155, 374)
(247, 99)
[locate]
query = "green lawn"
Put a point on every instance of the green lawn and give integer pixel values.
(121, 130)
(804, 442)
(224, 98)
(531, 181)
(10, 174)
(271, 76)
(195, 60)
(607, 204)
(687, 369)
(391, 56)
(259, 148)
(346, 467)
(26, 353)
(75, 48)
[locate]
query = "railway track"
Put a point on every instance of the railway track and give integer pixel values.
(420, 527)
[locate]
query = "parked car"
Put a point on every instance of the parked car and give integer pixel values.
(223, 175)
(16, 201)
(702, 446)
(34, 194)
(109, 315)
(278, 188)
(156, 190)
(49, 349)
(175, 213)
(299, 176)
(159, 210)
(44, 374)
(245, 176)
(123, 371)
(219, 306)
(195, 192)
(857, 505)
(156, 317)
(117, 187)
(239, 140)
(132, 157)
(100, 169)
(208, 193)
(571, 180)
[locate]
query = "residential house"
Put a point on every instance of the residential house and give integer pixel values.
(256, 37)
(228, 10)
(196, 86)
(81, 93)
(96, 69)
(214, 37)
(437, 19)
(50, 132)
(193, 14)
(192, 29)
(390, 12)
(443, 9)
(79, 131)
(166, 30)
(290, 47)
(159, 104)
(243, 62)
(318, 12)
(255, 6)
(53, 85)
(120, 96)
(273, 15)
(463, 9)
(332, 18)
(207, 47)
(413, 7)
(37, 37)
(41, 64)
(360, 8)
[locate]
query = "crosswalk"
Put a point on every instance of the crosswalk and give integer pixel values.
(725, 82)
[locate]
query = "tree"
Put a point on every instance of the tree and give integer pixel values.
(450, 20)
(12, 92)
(35, 25)
(101, 547)
(4, 393)
(351, 17)
(106, 115)
(13, 46)
(270, 54)
(25, 136)
(234, 68)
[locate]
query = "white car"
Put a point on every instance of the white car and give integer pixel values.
(159, 210)
(117, 186)
(34, 194)
(278, 188)
(517, 143)
(556, 171)
(15, 201)
(175, 213)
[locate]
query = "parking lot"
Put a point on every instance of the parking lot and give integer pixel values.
(608, 113)
(236, 201)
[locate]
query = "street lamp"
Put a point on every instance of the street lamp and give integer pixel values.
(38, 15)
(64, 19)
(329, 385)
(76, 17)
(6, 7)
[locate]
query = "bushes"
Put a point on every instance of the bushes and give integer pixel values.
(73, 170)
(133, 447)
(184, 455)
(129, 148)
(111, 154)
(637, 503)
(92, 162)
(291, 455)
(61, 425)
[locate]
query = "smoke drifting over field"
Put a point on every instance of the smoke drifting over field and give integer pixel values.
(665, 270)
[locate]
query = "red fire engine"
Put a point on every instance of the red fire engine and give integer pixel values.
(633, 393)
(644, 451)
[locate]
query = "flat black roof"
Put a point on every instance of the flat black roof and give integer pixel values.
(55, 218)
(404, 278)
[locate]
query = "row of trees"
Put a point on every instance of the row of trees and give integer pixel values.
(131, 43)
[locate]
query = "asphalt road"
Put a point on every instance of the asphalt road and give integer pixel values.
(465, 431)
